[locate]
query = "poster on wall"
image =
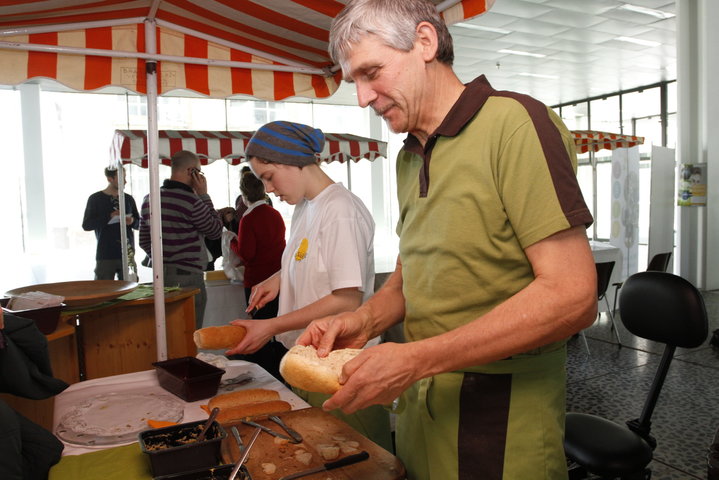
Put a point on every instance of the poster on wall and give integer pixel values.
(625, 207)
(692, 191)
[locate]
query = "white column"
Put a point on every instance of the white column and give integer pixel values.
(690, 220)
(709, 13)
(36, 227)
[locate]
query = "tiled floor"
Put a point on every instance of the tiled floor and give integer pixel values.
(612, 381)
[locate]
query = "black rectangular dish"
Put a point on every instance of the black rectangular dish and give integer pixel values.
(175, 449)
(189, 378)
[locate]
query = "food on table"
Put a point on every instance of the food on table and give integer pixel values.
(177, 438)
(247, 403)
(302, 368)
(269, 468)
(214, 338)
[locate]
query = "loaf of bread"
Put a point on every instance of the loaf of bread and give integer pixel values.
(302, 368)
(214, 338)
(233, 414)
(242, 397)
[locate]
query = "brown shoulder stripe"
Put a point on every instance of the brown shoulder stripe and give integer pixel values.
(560, 167)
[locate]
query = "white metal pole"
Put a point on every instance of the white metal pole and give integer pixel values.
(123, 225)
(153, 160)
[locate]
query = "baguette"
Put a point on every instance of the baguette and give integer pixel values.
(242, 397)
(238, 412)
(214, 338)
(302, 368)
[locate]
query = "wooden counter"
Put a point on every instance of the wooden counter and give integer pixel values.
(121, 338)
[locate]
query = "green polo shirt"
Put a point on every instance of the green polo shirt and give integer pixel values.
(497, 176)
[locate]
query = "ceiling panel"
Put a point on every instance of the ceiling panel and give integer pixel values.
(579, 39)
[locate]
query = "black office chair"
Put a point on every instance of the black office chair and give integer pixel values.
(658, 263)
(604, 273)
(661, 307)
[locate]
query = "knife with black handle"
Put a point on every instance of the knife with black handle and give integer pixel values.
(342, 462)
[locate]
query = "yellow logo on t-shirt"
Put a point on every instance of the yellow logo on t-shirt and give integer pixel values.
(302, 250)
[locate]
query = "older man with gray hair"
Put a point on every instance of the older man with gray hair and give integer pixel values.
(494, 270)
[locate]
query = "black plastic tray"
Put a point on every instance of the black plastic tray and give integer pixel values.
(181, 454)
(189, 378)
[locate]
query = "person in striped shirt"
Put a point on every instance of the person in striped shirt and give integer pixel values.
(188, 216)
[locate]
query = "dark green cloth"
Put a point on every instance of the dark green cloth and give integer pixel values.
(25, 368)
(119, 463)
(27, 451)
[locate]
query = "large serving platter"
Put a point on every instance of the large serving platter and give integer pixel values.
(82, 293)
(116, 418)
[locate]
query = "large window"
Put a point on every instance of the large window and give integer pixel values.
(636, 112)
(76, 132)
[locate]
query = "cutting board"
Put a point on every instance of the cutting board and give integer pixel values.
(318, 429)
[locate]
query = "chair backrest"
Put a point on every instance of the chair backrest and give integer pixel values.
(659, 262)
(604, 273)
(665, 308)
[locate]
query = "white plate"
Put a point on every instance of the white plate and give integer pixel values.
(115, 418)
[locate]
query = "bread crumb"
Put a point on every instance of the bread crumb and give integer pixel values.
(269, 468)
(303, 457)
(329, 452)
(348, 447)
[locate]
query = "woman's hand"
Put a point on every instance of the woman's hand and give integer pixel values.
(264, 292)
(259, 332)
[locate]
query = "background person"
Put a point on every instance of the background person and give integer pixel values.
(328, 263)
(494, 270)
(259, 244)
(102, 215)
(187, 217)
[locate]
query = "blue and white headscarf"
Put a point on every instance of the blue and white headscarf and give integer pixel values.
(286, 142)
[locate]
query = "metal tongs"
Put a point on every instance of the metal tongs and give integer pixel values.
(244, 455)
(294, 436)
(239, 380)
(267, 430)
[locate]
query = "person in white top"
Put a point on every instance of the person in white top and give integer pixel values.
(328, 263)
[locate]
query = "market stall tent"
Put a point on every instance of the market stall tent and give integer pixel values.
(270, 50)
(593, 140)
(130, 146)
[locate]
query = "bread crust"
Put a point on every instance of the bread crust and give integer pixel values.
(243, 397)
(214, 338)
(232, 414)
(302, 368)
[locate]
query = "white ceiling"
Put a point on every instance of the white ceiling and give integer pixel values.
(582, 56)
(579, 40)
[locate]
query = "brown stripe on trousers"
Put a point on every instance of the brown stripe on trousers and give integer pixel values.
(483, 417)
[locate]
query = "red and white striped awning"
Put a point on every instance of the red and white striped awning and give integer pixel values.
(592, 140)
(272, 49)
(130, 146)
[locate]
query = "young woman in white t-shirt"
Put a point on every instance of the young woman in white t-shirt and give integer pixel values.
(328, 263)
